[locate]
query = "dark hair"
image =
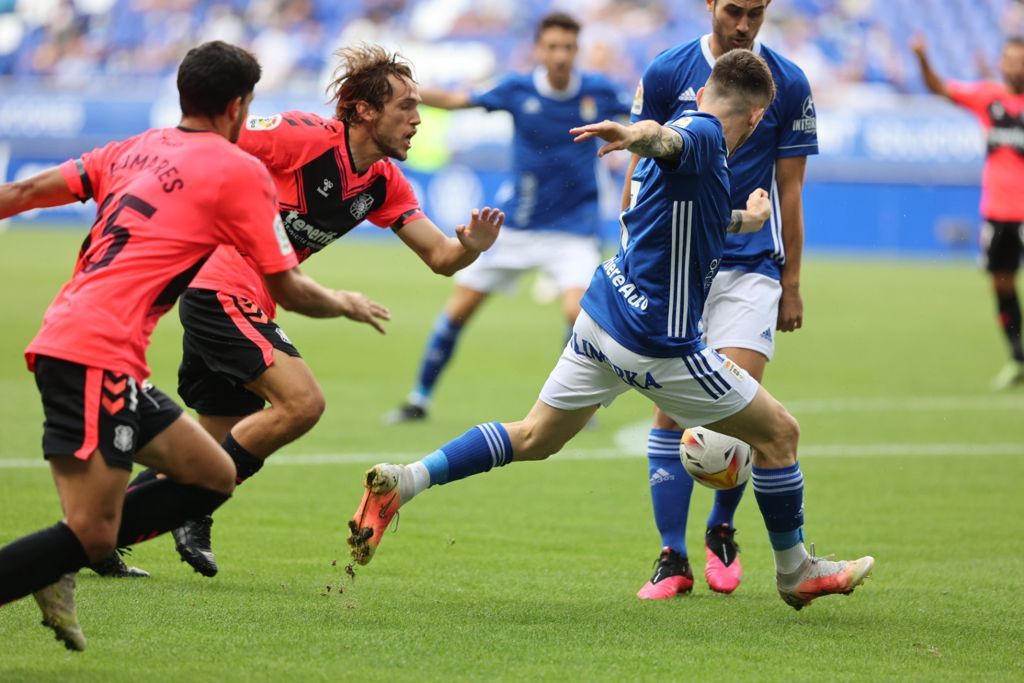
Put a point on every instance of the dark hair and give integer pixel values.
(1016, 41)
(214, 74)
(557, 20)
(743, 78)
(362, 76)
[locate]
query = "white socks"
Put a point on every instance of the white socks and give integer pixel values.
(414, 479)
(786, 561)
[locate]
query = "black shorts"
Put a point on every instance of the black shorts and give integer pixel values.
(228, 342)
(88, 409)
(1002, 242)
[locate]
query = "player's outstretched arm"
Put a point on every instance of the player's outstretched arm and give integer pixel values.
(448, 255)
(932, 80)
(442, 99)
(40, 191)
(751, 219)
(789, 174)
(296, 291)
(643, 138)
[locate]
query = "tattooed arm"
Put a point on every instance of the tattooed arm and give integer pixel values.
(644, 138)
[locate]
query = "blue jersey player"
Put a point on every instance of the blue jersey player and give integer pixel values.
(640, 330)
(552, 216)
(757, 290)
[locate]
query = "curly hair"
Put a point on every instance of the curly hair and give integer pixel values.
(362, 76)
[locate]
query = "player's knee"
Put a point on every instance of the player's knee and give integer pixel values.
(305, 409)
(222, 479)
(98, 535)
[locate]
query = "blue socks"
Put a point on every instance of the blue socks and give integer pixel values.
(439, 351)
(671, 487)
(478, 450)
(780, 495)
(724, 509)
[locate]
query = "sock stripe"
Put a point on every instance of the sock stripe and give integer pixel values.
(489, 438)
(497, 442)
(780, 483)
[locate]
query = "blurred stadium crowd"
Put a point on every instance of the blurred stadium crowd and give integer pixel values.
(76, 44)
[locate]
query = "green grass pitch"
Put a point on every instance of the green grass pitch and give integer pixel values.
(529, 573)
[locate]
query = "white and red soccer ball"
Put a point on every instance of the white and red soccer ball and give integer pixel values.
(715, 460)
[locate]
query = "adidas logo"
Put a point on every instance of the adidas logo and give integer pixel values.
(767, 334)
(688, 96)
(661, 475)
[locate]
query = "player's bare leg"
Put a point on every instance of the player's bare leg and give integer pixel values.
(460, 308)
(91, 495)
(296, 404)
(99, 515)
(778, 486)
(543, 432)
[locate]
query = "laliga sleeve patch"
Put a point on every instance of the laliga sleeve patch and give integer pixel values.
(263, 122)
(282, 236)
(638, 100)
(682, 122)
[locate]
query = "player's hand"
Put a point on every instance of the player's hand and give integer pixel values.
(618, 136)
(919, 46)
(481, 231)
(361, 308)
(791, 310)
(758, 205)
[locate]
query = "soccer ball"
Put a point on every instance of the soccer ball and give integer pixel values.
(715, 460)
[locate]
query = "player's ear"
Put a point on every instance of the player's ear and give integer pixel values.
(755, 117)
(365, 111)
(234, 109)
(700, 96)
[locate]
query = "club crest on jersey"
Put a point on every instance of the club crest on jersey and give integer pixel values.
(361, 206)
(588, 108)
(638, 100)
(809, 123)
(124, 437)
(531, 106)
(263, 122)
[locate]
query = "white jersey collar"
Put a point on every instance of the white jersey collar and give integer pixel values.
(544, 87)
(705, 47)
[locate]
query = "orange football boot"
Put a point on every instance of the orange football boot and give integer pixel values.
(381, 501)
(819, 576)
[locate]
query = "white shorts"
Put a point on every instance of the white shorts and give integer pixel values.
(568, 260)
(693, 390)
(741, 312)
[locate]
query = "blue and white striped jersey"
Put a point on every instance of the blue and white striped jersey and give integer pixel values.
(650, 296)
(555, 179)
(788, 129)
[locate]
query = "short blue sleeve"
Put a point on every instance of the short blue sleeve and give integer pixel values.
(798, 121)
(500, 97)
(701, 140)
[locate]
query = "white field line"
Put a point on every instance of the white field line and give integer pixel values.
(867, 450)
(906, 404)
(631, 441)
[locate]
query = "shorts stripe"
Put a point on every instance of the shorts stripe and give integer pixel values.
(91, 414)
(712, 375)
(713, 393)
(245, 327)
